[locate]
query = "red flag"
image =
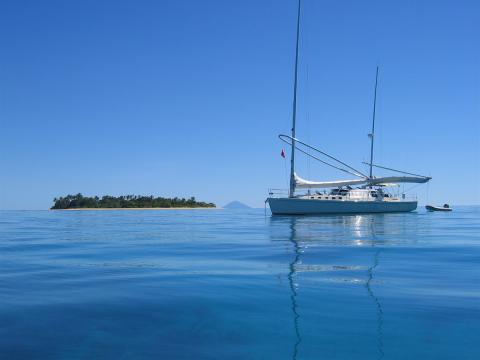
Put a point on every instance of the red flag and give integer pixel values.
(283, 153)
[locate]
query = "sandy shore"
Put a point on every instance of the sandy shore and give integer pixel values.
(172, 208)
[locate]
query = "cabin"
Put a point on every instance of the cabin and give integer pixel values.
(350, 194)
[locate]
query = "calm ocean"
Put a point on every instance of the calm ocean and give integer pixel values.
(221, 284)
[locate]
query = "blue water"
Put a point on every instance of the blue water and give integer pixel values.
(219, 284)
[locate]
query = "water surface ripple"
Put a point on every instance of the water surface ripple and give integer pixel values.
(219, 284)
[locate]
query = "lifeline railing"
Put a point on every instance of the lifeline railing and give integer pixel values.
(278, 192)
(274, 193)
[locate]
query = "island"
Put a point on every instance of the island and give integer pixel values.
(236, 205)
(126, 202)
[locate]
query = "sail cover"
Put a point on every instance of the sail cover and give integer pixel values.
(399, 179)
(307, 184)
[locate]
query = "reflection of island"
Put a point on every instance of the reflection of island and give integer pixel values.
(305, 232)
(125, 202)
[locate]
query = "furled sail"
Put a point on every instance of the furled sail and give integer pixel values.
(399, 179)
(307, 184)
(381, 181)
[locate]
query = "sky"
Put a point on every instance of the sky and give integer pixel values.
(187, 98)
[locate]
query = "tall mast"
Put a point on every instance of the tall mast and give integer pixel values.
(372, 135)
(294, 115)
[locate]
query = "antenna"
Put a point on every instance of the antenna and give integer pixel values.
(294, 116)
(372, 134)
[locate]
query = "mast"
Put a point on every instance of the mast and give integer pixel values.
(372, 134)
(294, 115)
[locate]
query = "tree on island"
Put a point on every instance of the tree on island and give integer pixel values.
(130, 201)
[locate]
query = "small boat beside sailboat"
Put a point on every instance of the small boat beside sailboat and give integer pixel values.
(445, 207)
(365, 193)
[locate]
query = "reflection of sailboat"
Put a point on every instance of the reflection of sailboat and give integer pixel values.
(369, 197)
(375, 299)
(293, 287)
(304, 234)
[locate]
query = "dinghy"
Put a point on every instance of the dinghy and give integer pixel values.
(445, 207)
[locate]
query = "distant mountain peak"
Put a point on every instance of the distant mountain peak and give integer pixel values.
(236, 205)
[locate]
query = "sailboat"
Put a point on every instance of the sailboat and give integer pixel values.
(365, 193)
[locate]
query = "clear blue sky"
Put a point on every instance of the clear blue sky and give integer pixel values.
(186, 98)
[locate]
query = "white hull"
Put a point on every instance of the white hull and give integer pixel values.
(297, 206)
